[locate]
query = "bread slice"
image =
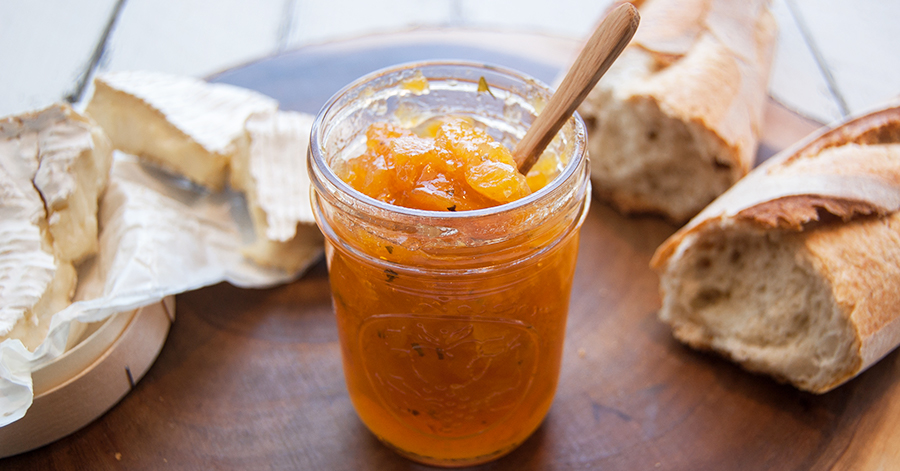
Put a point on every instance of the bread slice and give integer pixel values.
(270, 169)
(185, 125)
(795, 271)
(676, 119)
(54, 166)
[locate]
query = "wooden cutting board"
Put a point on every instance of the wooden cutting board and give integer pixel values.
(252, 379)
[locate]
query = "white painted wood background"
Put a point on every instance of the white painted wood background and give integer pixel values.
(834, 57)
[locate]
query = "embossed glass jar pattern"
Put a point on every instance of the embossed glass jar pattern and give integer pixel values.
(451, 323)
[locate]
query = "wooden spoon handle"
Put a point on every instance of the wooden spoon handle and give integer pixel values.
(601, 50)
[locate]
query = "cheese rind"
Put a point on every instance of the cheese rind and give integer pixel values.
(76, 157)
(66, 158)
(54, 165)
(27, 265)
(183, 124)
(271, 171)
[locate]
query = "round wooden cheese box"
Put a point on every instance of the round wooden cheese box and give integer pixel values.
(89, 379)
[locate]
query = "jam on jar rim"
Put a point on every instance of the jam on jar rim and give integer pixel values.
(322, 168)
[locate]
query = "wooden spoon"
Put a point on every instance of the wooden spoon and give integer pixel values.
(601, 50)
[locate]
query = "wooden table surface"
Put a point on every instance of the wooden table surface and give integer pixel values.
(251, 379)
(832, 57)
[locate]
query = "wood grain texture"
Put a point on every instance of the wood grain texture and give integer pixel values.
(251, 379)
(49, 44)
(52, 40)
(796, 79)
(861, 80)
(187, 37)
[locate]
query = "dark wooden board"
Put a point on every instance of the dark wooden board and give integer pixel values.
(251, 379)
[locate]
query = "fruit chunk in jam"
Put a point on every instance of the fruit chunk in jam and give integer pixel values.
(452, 165)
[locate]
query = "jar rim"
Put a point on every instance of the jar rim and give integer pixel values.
(319, 164)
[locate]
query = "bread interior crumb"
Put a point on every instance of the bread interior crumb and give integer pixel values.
(756, 298)
(643, 159)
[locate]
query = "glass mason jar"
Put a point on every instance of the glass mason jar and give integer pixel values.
(451, 324)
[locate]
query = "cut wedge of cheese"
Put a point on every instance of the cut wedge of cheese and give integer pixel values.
(54, 164)
(271, 171)
(185, 125)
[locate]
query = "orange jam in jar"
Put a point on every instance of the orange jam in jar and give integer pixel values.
(450, 272)
(452, 166)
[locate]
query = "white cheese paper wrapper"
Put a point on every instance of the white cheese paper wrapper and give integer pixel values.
(159, 236)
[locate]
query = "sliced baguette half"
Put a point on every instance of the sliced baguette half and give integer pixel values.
(795, 271)
(676, 120)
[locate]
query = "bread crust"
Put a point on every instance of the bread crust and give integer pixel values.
(838, 193)
(703, 65)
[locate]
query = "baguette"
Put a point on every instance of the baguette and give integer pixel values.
(795, 271)
(676, 120)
